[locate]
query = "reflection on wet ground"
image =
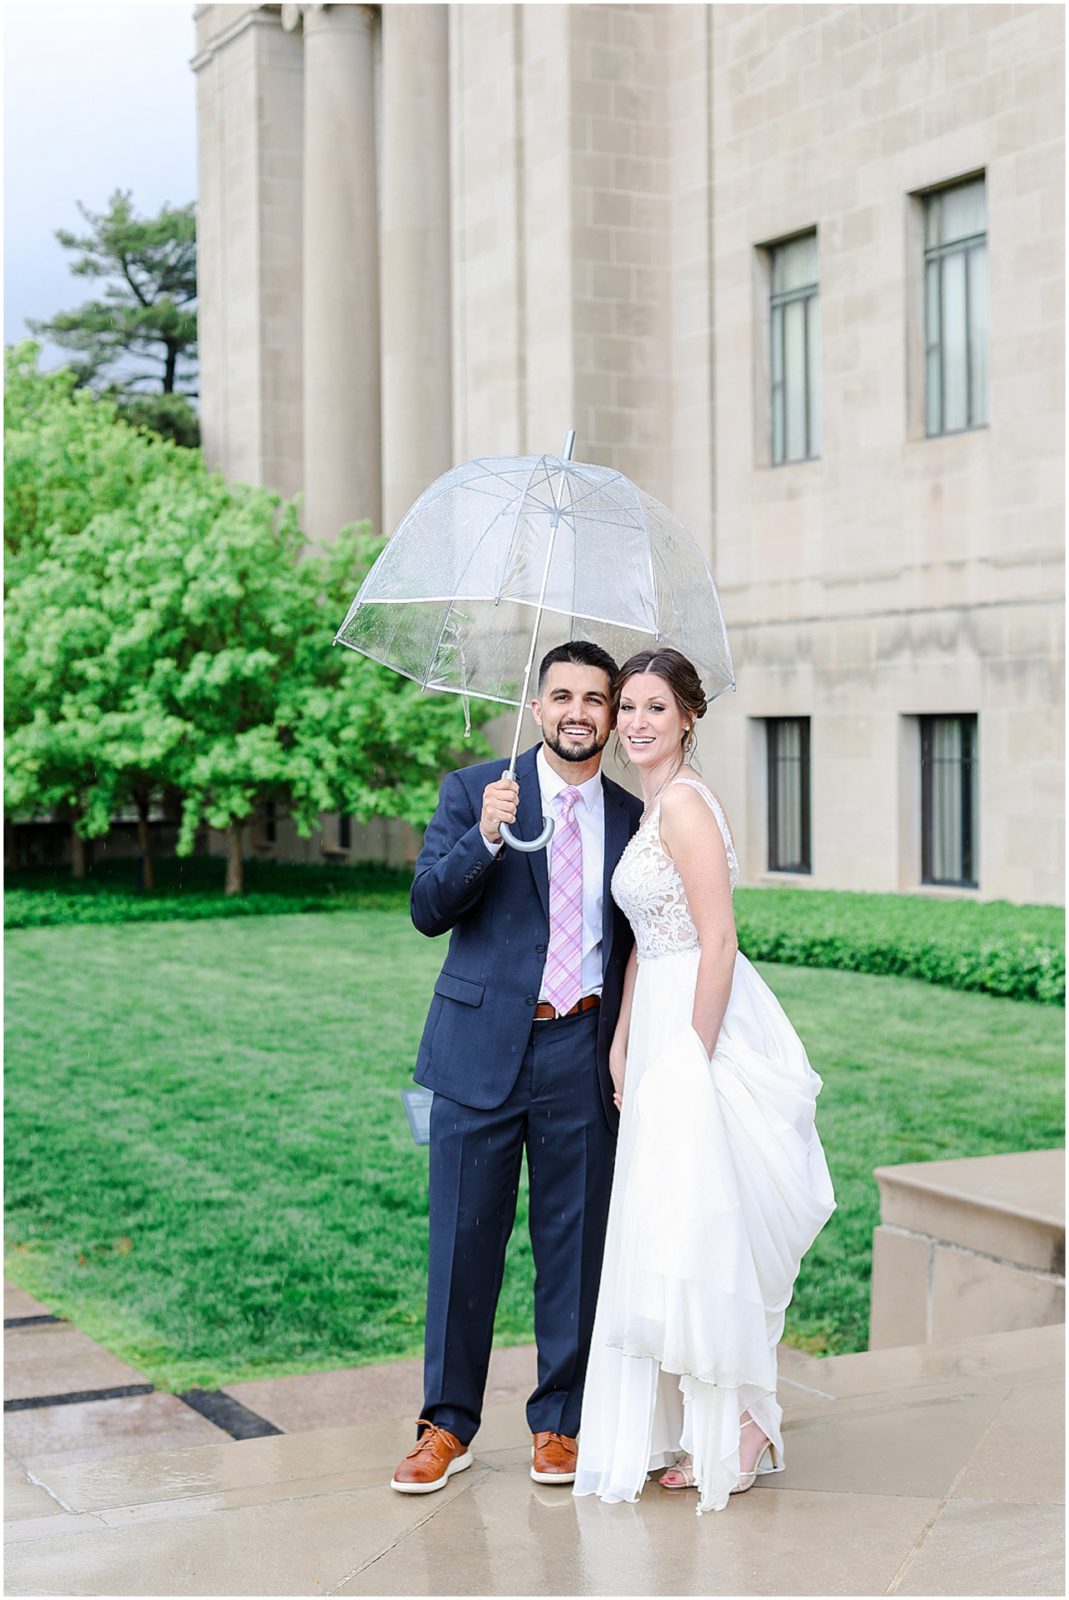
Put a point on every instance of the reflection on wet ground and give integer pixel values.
(934, 1470)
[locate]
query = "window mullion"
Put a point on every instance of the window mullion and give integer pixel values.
(936, 250)
(941, 278)
(773, 843)
(967, 272)
(805, 376)
(806, 850)
(791, 370)
(954, 294)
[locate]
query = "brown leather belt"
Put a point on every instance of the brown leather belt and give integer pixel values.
(544, 1012)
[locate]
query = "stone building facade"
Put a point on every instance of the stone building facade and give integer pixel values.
(797, 270)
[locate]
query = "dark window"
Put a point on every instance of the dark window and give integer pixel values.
(955, 308)
(788, 794)
(794, 308)
(270, 822)
(345, 833)
(949, 800)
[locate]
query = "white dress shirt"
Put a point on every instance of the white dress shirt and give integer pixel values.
(590, 815)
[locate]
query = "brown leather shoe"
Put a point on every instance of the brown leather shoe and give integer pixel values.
(431, 1462)
(553, 1458)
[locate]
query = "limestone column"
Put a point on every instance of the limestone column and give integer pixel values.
(342, 449)
(249, 210)
(417, 431)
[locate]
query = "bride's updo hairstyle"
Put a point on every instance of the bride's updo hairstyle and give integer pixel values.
(680, 676)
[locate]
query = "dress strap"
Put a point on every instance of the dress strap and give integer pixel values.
(721, 821)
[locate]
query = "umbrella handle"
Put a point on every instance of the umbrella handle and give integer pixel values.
(528, 845)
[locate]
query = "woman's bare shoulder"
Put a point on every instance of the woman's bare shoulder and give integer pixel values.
(690, 792)
(684, 802)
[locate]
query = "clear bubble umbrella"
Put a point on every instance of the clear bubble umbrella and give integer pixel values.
(504, 556)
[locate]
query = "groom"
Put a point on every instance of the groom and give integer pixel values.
(516, 1049)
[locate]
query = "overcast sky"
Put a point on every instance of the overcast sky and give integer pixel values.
(96, 98)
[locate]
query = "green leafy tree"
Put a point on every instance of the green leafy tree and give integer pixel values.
(85, 733)
(67, 458)
(277, 715)
(139, 339)
(169, 415)
(181, 638)
(81, 740)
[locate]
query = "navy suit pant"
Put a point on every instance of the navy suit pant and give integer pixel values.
(555, 1113)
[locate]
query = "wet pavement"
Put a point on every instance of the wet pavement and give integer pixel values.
(922, 1470)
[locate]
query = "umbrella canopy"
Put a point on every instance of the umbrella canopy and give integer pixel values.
(496, 548)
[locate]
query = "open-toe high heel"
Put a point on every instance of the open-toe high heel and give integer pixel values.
(748, 1479)
(684, 1470)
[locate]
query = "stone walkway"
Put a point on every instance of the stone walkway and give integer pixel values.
(916, 1471)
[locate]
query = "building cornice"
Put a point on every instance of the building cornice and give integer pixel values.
(259, 16)
(294, 16)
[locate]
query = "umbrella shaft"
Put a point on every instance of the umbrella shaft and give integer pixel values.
(534, 631)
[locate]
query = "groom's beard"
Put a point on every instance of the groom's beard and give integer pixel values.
(575, 752)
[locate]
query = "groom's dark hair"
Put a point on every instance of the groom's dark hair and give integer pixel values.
(583, 654)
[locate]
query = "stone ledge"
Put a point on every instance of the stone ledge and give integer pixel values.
(964, 1250)
(968, 1246)
(1011, 1207)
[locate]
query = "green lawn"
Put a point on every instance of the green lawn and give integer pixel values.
(988, 946)
(209, 1169)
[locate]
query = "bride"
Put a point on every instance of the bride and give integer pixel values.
(720, 1184)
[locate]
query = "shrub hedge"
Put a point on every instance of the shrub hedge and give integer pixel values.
(990, 946)
(190, 890)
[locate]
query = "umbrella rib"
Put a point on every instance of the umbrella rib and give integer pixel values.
(427, 599)
(603, 509)
(575, 547)
(516, 524)
(441, 485)
(486, 465)
(593, 488)
(473, 487)
(649, 558)
(591, 616)
(515, 600)
(453, 598)
(482, 538)
(433, 657)
(502, 478)
(491, 494)
(431, 688)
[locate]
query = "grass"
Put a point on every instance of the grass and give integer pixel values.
(992, 946)
(209, 1169)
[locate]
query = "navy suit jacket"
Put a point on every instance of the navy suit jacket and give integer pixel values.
(496, 909)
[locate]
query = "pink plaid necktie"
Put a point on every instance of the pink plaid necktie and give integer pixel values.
(564, 963)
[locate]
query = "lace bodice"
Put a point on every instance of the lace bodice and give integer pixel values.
(649, 891)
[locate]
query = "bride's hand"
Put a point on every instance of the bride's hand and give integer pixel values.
(617, 1067)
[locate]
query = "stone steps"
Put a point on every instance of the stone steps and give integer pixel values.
(921, 1470)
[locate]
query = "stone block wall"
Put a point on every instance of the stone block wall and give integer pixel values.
(968, 1246)
(897, 575)
(614, 173)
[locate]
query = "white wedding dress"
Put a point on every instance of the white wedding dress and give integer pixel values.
(720, 1187)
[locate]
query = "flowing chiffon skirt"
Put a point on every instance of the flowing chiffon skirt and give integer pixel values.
(720, 1187)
